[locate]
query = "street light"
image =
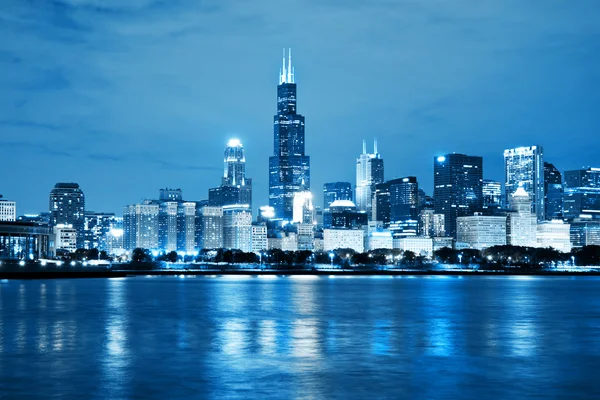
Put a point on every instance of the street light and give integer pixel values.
(460, 258)
(331, 255)
(573, 261)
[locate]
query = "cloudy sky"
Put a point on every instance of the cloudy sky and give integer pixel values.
(126, 97)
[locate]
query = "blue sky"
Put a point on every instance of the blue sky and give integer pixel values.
(126, 97)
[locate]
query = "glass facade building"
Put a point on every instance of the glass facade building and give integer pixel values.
(458, 188)
(336, 191)
(492, 194)
(524, 166)
(582, 193)
(289, 167)
(67, 206)
(553, 192)
(369, 173)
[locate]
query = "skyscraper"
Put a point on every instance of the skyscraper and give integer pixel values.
(522, 223)
(524, 166)
(235, 187)
(140, 226)
(492, 194)
(67, 206)
(369, 172)
(336, 191)
(553, 192)
(582, 193)
(400, 199)
(458, 191)
(237, 227)
(289, 167)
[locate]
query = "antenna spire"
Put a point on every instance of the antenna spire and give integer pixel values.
(282, 71)
(364, 146)
(375, 146)
(290, 75)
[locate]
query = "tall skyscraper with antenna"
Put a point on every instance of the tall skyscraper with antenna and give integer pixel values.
(369, 172)
(289, 167)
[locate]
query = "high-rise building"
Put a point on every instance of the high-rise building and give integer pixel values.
(303, 208)
(369, 173)
(553, 192)
(96, 228)
(524, 166)
(212, 228)
(64, 238)
(67, 206)
(168, 194)
(235, 187)
(167, 225)
(186, 227)
(289, 166)
(582, 193)
(521, 223)
(306, 236)
(585, 232)
(492, 194)
(343, 214)
(237, 227)
(8, 210)
(458, 187)
(403, 197)
(259, 237)
(140, 226)
(336, 191)
(344, 239)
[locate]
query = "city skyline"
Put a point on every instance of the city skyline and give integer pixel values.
(166, 123)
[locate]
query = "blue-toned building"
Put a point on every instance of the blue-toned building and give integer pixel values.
(333, 191)
(289, 167)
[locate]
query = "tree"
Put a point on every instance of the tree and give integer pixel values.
(139, 255)
(171, 256)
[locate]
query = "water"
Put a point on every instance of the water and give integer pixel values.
(300, 338)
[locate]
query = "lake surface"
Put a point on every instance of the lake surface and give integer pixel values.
(301, 338)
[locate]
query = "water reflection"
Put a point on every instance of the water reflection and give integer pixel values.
(116, 358)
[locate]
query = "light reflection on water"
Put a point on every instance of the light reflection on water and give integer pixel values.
(300, 338)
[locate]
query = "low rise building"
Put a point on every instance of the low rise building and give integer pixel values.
(555, 234)
(480, 231)
(419, 245)
(344, 239)
(65, 238)
(8, 210)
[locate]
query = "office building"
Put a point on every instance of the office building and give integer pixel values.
(344, 239)
(186, 227)
(582, 193)
(369, 173)
(23, 241)
(555, 234)
(402, 195)
(289, 166)
(378, 238)
(306, 236)
(211, 224)
(336, 191)
(8, 210)
(492, 194)
(421, 246)
(458, 188)
(585, 232)
(481, 231)
(235, 187)
(168, 194)
(431, 224)
(237, 227)
(96, 227)
(344, 214)
(521, 222)
(64, 238)
(67, 207)
(524, 166)
(167, 226)
(553, 192)
(259, 237)
(140, 226)
(303, 208)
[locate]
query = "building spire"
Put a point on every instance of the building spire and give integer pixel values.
(282, 71)
(364, 146)
(290, 74)
(375, 146)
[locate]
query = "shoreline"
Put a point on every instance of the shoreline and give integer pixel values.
(281, 272)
